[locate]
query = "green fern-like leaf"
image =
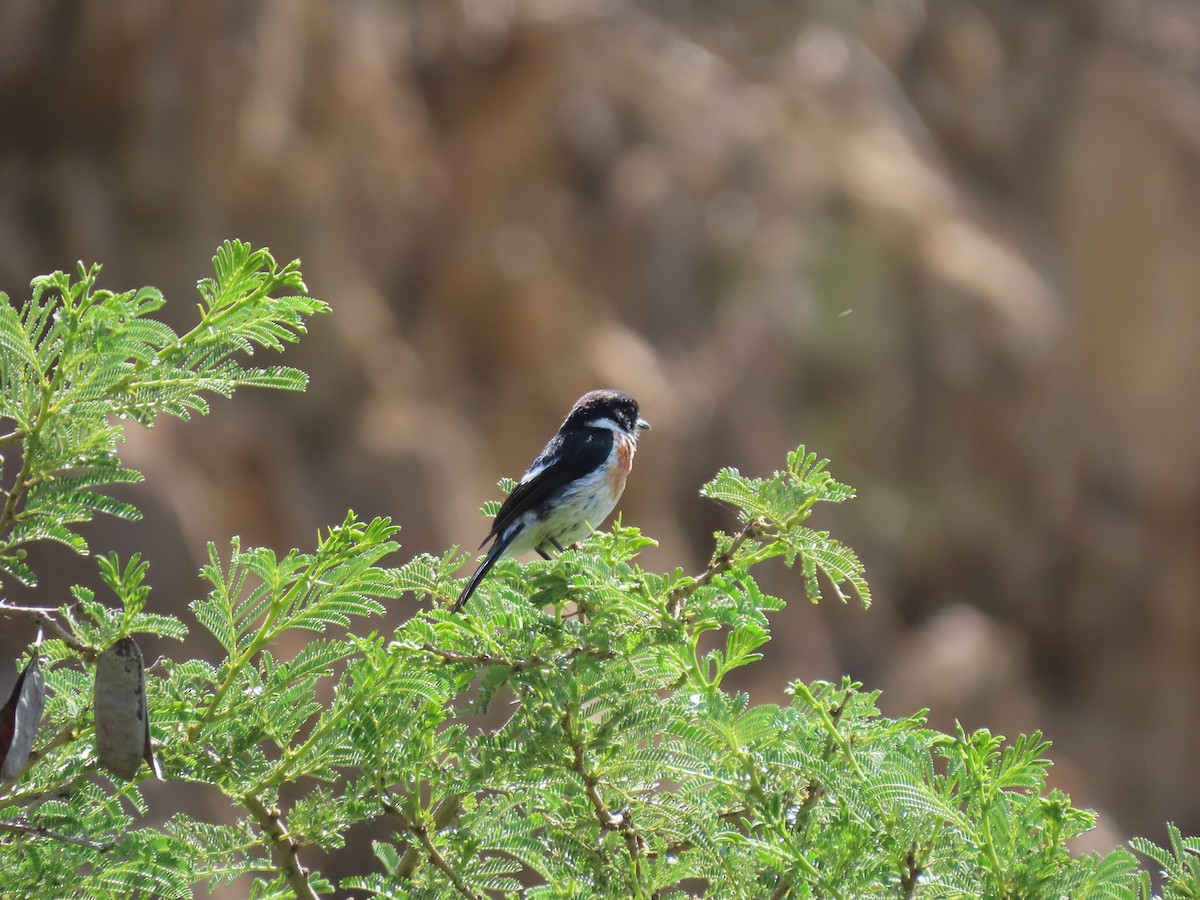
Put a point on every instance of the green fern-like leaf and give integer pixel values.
(75, 359)
(1179, 862)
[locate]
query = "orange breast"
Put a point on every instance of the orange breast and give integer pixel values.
(618, 472)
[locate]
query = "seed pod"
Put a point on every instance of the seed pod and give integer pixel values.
(122, 720)
(19, 720)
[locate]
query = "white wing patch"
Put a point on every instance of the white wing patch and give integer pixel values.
(536, 469)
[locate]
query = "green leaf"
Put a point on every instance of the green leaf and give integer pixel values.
(75, 359)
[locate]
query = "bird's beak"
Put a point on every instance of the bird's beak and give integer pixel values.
(643, 424)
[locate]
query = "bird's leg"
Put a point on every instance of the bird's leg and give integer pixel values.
(543, 554)
(557, 546)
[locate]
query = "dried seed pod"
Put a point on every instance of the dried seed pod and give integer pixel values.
(122, 719)
(19, 720)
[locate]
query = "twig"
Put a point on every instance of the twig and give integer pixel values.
(431, 851)
(609, 821)
(67, 734)
(14, 495)
(34, 799)
(47, 618)
(450, 657)
(443, 814)
(912, 873)
(283, 846)
(719, 564)
(16, 826)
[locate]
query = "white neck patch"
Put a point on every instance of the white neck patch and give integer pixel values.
(608, 424)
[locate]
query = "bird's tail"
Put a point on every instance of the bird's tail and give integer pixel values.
(498, 548)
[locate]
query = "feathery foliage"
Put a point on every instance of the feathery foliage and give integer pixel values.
(76, 357)
(570, 735)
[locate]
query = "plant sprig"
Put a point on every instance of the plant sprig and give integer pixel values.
(574, 734)
(76, 359)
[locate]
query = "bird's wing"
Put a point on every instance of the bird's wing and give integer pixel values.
(571, 453)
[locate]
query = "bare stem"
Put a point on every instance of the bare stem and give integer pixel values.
(283, 846)
(608, 820)
(19, 827)
(912, 873)
(719, 564)
(15, 495)
(421, 832)
(48, 618)
(443, 814)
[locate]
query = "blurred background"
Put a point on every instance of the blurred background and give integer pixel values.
(952, 245)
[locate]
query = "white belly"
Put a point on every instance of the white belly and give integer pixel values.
(573, 516)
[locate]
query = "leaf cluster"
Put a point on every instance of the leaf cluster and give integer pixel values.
(76, 359)
(571, 734)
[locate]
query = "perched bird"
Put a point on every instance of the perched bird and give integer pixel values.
(571, 486)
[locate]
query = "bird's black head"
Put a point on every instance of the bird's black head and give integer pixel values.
(596, 409)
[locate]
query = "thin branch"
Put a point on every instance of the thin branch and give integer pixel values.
(283, 846)
(9, 515)
(68, 733)
(718, 565)
(609, 821)
(450, 657)
(443, 814)
(421, 831)
(34, 799)
(48, 618)
(912, 873)
(16, 826)
(12, 437)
